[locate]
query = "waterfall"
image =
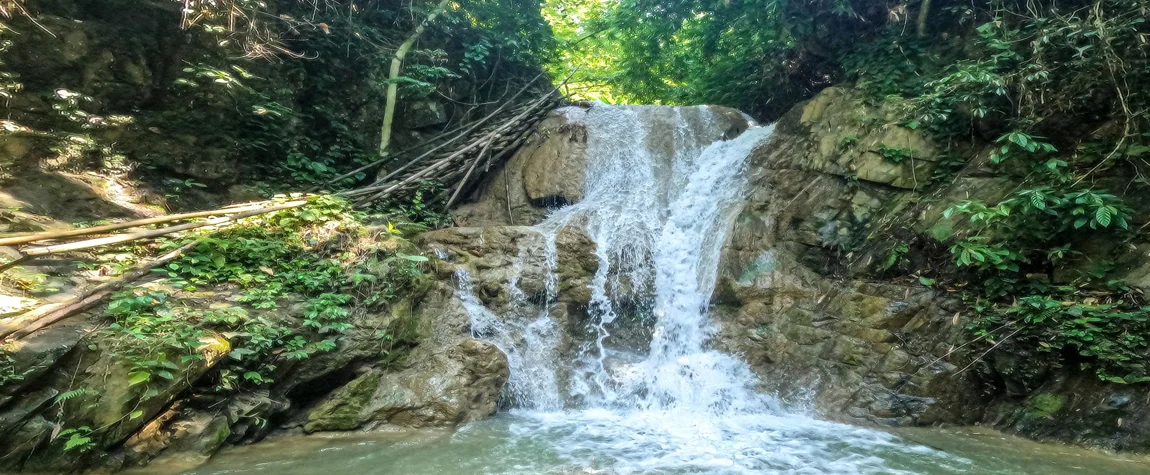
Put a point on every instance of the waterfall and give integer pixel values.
(661, 191)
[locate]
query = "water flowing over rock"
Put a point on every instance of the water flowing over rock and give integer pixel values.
(629, 371)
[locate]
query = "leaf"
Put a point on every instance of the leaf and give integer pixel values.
(138, 377)
(75, 441)
(165, 374)
(135, 415)
(240, 353)
(927, 281)
(1103, 215)
(412, 258)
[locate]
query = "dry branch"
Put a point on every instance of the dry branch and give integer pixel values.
(41, 317)
(463, 133)
(51, 235)
(521, 123)
(121, 238)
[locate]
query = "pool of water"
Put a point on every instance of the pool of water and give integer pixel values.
(586, 442)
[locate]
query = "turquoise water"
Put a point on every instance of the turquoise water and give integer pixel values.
(521, 444)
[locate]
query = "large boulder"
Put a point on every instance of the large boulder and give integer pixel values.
(549, 170)
(448, 379)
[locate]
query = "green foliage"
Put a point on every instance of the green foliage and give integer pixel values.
(1110, 337)
(895, 256)
(895, 154)
(1030, 78)
(77, 439)
(8, 372)
(317, 252)
(748, 55)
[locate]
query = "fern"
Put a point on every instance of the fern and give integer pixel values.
(65, 396)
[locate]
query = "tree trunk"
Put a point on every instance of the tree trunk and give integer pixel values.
(396, 63)
(923, 11)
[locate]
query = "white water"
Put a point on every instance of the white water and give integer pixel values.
(659, 197)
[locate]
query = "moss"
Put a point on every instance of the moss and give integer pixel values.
(1045, 405)
(341, 410)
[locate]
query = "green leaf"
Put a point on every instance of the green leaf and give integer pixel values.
(138, 377)
(135, 415)
(76, 441)
(240, 353)
(1103, 215)
(412, 258)
(927, 281)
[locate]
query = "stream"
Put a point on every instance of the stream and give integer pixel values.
(506, 444)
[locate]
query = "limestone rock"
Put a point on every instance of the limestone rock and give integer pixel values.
(548, 171)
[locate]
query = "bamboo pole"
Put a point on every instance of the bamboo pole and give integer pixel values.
(120, 238)
(387, 189)
(463, 181)
(463, 133)
(44, 236)
(24, 326)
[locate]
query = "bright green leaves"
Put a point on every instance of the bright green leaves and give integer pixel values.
(977, 252)
(1098, 210)
(320, 253)
(895, 154)
(138, 377)
(1109, 333)
(1016, 141)
(78, 439)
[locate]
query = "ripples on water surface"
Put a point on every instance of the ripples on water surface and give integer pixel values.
(606, 442)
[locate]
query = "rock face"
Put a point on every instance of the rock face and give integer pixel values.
(446, 379)
(805, 295)
(450, 379)
(548, 171)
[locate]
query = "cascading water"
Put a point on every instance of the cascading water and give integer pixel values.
(661, 189)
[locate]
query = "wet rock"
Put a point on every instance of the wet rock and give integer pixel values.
(549, 170)
(420, 114)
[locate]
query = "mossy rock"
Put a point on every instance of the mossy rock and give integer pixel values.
(1045, 405)
(341, 411)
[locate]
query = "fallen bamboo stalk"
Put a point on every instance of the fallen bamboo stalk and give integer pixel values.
(463, 181)
(387, 189)
(20, 329)
(14, 262)
(463, 134)
(384, 159)
(44, 236)
(15, 323)
(120, 238)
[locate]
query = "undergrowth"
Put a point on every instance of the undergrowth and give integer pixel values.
(1052, 90)
(296, 275)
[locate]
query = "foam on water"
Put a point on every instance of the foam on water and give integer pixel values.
(661, 191)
